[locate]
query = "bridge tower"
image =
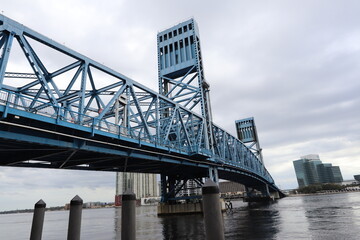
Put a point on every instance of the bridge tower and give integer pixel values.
(247, 133)
(181, 72)
(182, 79)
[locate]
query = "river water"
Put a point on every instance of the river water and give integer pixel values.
(334, 216)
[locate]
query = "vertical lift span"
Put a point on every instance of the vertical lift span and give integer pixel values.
(181, 78)
(247, 133)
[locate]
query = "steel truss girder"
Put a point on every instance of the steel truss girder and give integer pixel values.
(151, 118)
(175, 187)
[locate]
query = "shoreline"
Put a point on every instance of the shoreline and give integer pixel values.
(322, 193)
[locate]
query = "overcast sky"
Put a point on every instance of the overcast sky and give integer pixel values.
(292, 65)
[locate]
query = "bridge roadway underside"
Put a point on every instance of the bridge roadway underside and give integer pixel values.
(30, 143)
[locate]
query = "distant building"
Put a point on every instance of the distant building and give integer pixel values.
(310, 170)
(305, 169)
(231, 187)
(142, 184)
(329, 174)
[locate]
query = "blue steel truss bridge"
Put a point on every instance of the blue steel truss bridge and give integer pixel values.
(60, 109)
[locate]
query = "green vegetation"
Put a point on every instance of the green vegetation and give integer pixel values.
(31, 210)
(320, 188)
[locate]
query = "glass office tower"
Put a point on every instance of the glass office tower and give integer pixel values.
(310, 170)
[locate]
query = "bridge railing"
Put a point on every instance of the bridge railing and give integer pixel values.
(28, 106)
(228, 149)
(232, 151)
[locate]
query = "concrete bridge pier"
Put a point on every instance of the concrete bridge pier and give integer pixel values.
(213, 219)
(258, 194)
(181, 194)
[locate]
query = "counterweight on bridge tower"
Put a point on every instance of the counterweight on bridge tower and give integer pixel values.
(181, 73)
(247, 133)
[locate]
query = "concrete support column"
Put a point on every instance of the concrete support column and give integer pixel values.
(128, 226)
(214, 226)
(213, 175)
(74, 228)
(38, 220)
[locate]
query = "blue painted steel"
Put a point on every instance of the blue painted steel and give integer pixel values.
(165, 121)
(181, 74)
(247, 133)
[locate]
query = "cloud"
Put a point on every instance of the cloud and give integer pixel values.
(23, 187)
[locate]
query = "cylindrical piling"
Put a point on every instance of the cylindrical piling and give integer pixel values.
(128, 230)
(74, 228)
(38, 220)
(214, 227)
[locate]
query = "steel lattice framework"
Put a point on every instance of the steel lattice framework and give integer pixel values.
(79, 94)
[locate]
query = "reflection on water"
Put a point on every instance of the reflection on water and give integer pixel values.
(183, 227)
(148, 225)
(257, 221)
(334, 216)
(294, 224)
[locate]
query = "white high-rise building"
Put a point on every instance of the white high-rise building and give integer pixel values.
(142, 184)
